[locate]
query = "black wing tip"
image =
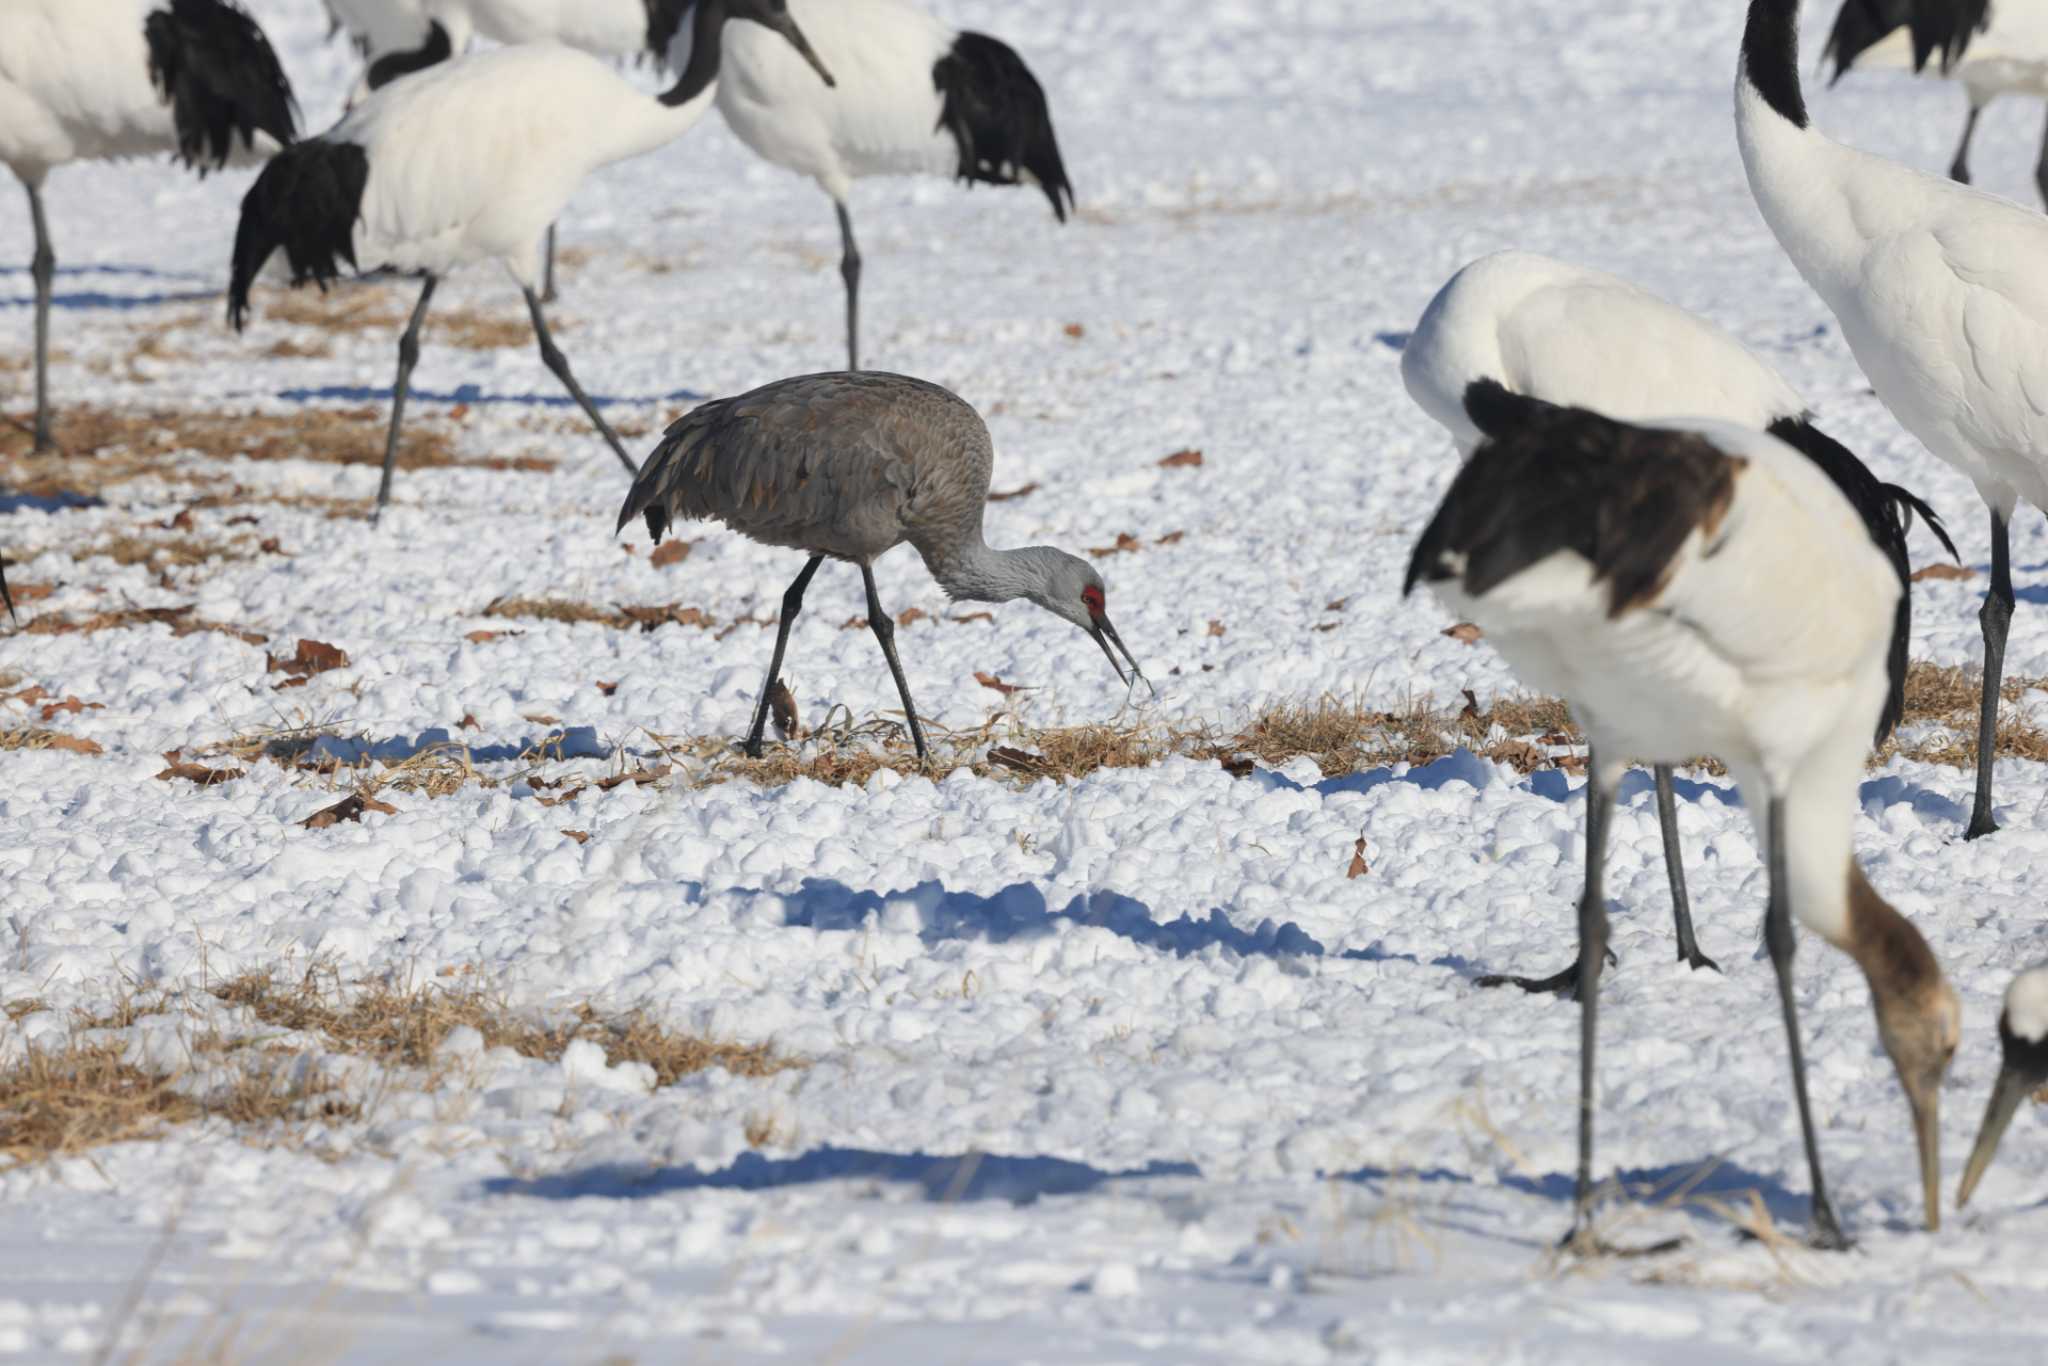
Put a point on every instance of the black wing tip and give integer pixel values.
(305, 202)
(1498, 411)
(222, 78)
(997, 112)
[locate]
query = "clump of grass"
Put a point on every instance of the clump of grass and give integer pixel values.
(161, 552)
(179, 619)
(154, 442)
(620, 618)
(401, 1024)
(1947, 698)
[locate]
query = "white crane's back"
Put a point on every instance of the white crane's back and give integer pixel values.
(75, 84)
(1581, 337)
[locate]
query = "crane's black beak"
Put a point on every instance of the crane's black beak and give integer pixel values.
(2006, 1096)
(786, 26)
(1105, 636)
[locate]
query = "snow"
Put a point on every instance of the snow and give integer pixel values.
(1124, 1069)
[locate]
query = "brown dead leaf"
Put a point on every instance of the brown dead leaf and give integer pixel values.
(71, 705)
(966, 617)
(1239, 766)
(607, 688)
(1075, 330)
(1216, 628)
(580, 836)
(31, 592)
(1006, 496)
(311, 657)
(540, 718)
(1941, 570)
(270, 545)
(1465, 633)
(1358, 864)
(1170, 538)
(1125, 543)
(182, 521)
(1335, 604)
(195, 773)
(31, 694)
(670, 552)
(75, 744)
(1182, 460)
(349, 808)
(480, 637)
(468, 722)
(854, 624)
(910, 614)
(991, 681)
(569, 796)
(782, 706)
(1017, 759)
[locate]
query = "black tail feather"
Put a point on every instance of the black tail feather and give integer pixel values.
(1550, 478)
(436, 48)
(307, 201)
(1938, 27)
(221, 78)
(1887, 510)
(664, 21)
(996, 111)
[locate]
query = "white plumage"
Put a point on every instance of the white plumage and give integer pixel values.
(913, 97)
(469, 162)
(2009, 57)
(1569, 334)
(86, 80)
(1938, 295)
(1640, 574)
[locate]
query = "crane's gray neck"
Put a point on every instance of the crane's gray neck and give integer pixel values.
(707, 29)
(976, 573)
(1770, 57)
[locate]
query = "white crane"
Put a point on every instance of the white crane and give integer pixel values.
(848, 466)
(915, 97)
(2023, 1066)
(2010, 58)
(1935, 287)
(1640, 574)
(1569, 334)
(468, 163)
(97, 80)
(398, 37)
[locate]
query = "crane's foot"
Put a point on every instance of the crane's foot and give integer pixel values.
(1564, 983)
(1696, 960)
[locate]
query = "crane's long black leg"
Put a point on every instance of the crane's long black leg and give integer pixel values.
(1996, 618)
(849, 271)
(2041, 169)
(552, 356)
(1827, 1230)
(43, 271)
(792, 603)
(1592, 959)
(1674, 869)
(885, 632)
(547, 274)
(1569, 980)
(408, 356)
(1959, 169)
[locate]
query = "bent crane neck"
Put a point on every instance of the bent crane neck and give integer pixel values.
(971, 570)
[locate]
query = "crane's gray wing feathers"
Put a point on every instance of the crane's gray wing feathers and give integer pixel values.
(839, 464)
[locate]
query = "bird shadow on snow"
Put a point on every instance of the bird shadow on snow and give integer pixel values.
(966, 1177)
(565, 742)
(1710, 1189)
(474, 395)
(102, 299)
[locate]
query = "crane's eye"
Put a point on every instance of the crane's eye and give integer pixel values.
(1092, 599)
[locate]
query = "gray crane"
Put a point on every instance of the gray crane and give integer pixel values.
(848, 466)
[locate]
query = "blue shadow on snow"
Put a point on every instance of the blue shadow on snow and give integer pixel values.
(1697, 1187)
(472, 394)
(970, 1176)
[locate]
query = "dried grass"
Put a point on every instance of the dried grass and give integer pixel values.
(145, 441)
(1947, 699)
(619, 618)
(376, 308)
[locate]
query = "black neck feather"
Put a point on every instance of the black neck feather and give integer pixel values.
(1770, 57)
(437, 49)
(707, 22)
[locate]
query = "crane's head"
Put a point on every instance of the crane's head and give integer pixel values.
(2023, 1040)
(774, 14)
(1068, 586)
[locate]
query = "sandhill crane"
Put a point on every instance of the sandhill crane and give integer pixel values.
(1935, 289)
(1569, 334)
(398, 37)
(95, 80)
(2023, 1066)
(915, 98)
(1639, 573)
(492, 144)
(2010, 58)
(847, 466)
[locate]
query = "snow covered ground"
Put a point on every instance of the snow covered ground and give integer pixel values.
(1125, 1069)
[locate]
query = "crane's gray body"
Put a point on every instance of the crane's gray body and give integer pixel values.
(846, 465)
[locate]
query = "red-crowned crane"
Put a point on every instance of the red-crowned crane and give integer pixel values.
(98, 80)
(1938, 296)
(2023, 1067)
(1572, 335)
(1639, 573)
(468, 163)
(848, 466)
